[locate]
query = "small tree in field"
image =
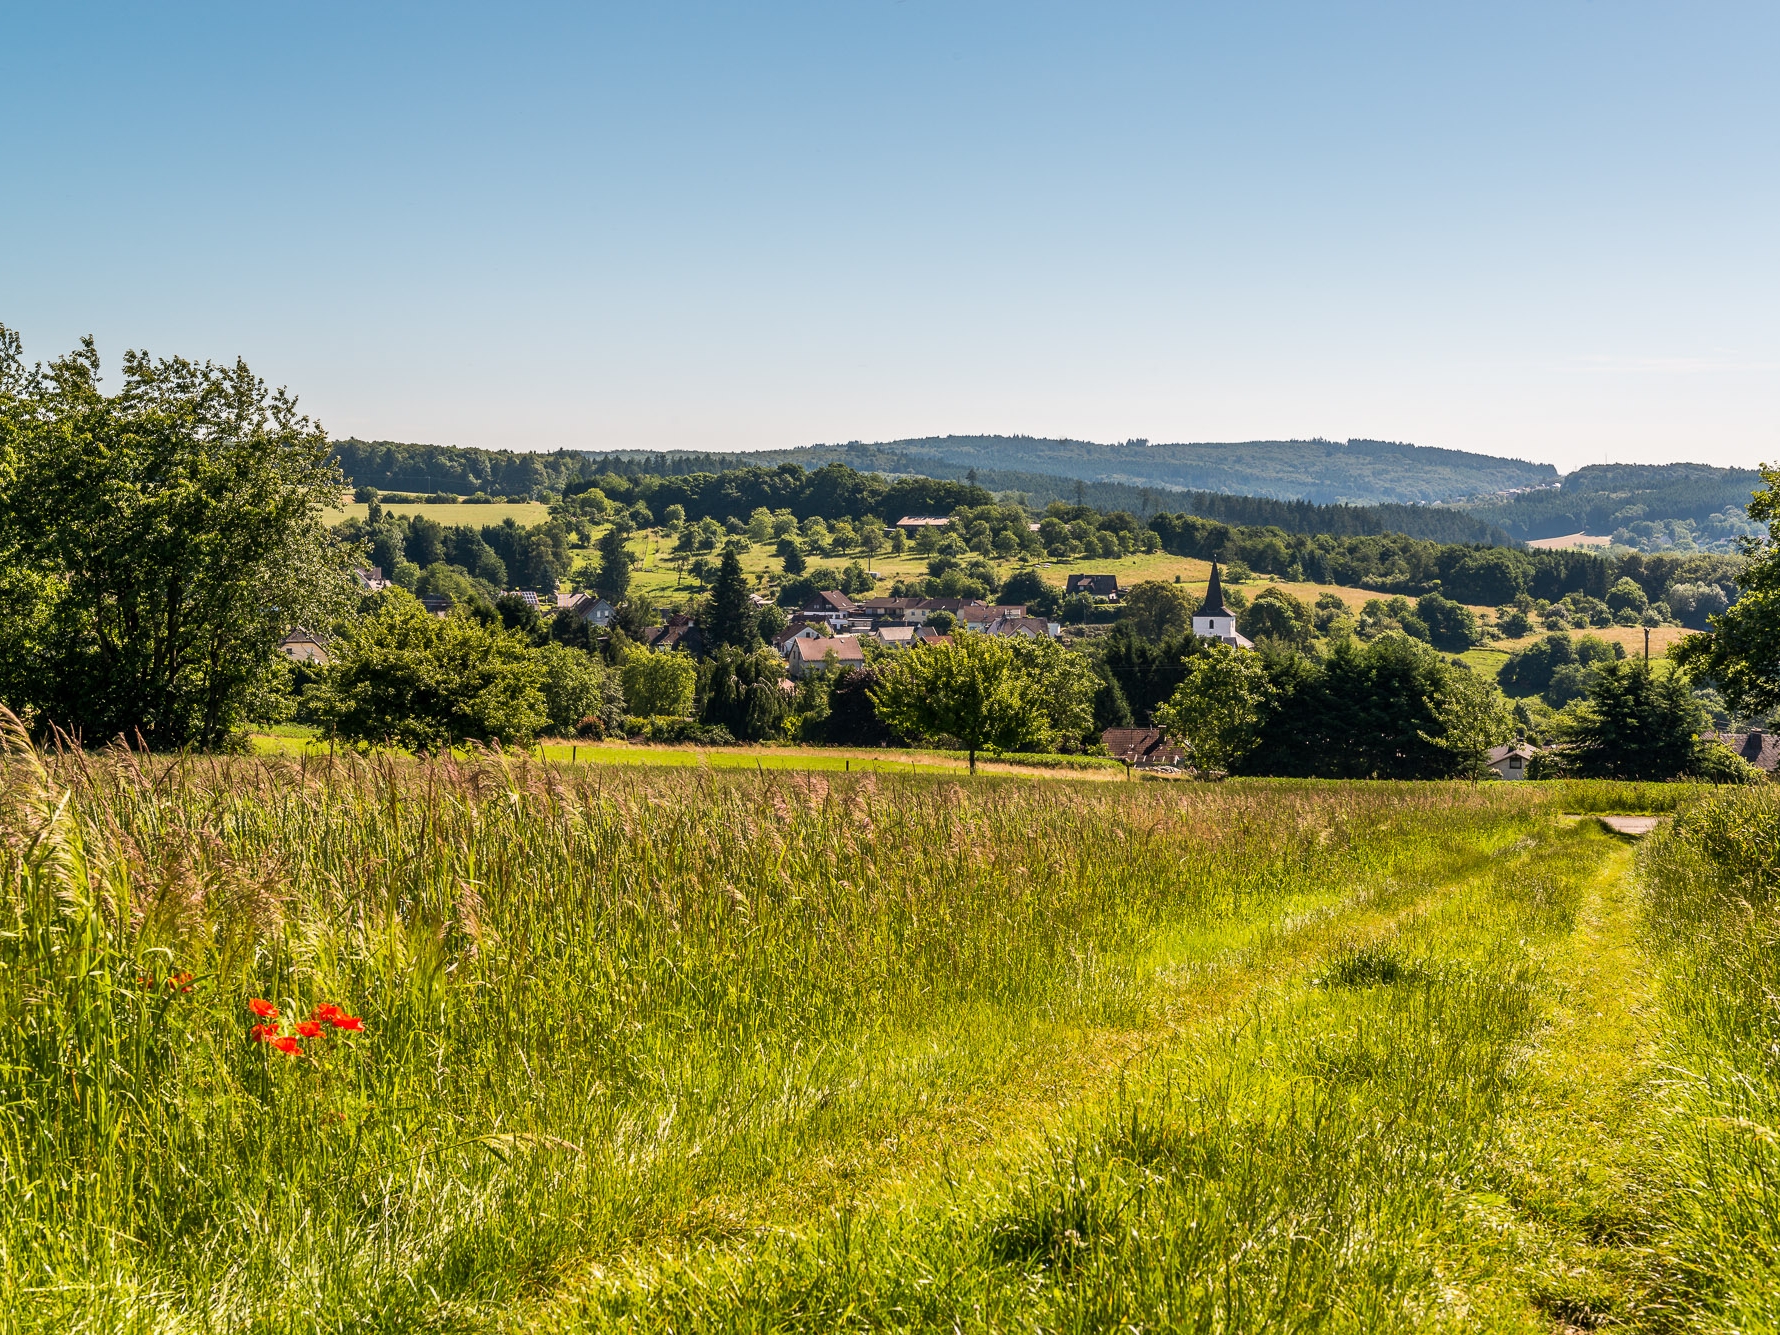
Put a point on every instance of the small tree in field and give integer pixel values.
(1217, 709)
(971, 688)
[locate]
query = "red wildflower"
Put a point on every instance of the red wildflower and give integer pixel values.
(309, 1028)
(352, 1022)
(182, 981)
(264, 1009)
(264, 1033)
(289, 1045)
(327, 1012)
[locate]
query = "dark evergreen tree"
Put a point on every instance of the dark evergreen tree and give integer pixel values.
(729, 617)
(614, 569)
(852, 718)
(1633, 725)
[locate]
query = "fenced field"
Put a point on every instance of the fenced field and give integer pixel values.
(307, 1043)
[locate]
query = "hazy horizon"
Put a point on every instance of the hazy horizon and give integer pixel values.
(1538, 231)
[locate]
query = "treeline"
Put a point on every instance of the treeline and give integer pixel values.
(458, 470)
(1605, 497)
(1038, 490)
(829, 493)
(1489, 576)
(1326, 471)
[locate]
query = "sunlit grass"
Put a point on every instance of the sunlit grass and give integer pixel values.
(778, 1048)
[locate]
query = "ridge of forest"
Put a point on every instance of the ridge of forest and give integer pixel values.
(463, 471)
(1326, 472)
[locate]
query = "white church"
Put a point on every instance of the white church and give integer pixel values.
(1213, 620)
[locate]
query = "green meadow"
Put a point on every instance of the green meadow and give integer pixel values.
(778, 1049)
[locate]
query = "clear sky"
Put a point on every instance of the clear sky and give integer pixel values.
(1546, 230)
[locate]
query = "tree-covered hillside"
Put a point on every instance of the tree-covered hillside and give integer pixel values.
(1324, 471)
(1642, 505)
(1432, 523)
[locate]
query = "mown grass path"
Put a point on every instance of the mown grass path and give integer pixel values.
(1574, 1147)
(1430, 1085)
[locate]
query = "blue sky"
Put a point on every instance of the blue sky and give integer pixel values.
(1543, 230)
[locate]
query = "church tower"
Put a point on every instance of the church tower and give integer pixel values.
(1213, 620)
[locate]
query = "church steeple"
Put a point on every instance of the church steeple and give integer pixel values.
(1213, 606)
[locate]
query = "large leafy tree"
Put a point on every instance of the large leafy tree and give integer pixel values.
(971, 688)
(1217, 710)
(742, 693)
(404, 677)
(158, 542)
(1741, 657)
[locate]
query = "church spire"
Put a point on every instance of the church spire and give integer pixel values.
(1213, 606)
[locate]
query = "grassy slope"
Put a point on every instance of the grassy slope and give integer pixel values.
(802, 1051)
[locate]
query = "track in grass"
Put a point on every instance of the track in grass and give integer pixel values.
(703, 1050)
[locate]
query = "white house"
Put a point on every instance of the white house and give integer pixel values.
(1510, 761)
(591, 608)
(1213, 620)
(806, 656)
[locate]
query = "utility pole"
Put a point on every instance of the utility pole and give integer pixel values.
(1647, 644)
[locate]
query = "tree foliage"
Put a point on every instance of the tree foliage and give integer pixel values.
(1218, 709)
(1742, 655)
(971, 688)
(158, 542)
(402, 677)
(658, 684)
(1634, 724)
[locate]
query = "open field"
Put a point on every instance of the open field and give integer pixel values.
(1571, 540)
(702, 1050)
(301, 741)
(525, 513)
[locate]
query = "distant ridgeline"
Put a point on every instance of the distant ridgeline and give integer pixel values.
(1630, 501)
(1361, 472)
(1434, 523)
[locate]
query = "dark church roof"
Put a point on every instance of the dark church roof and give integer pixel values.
(1213, 606)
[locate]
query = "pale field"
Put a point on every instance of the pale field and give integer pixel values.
(1570, 540)
(524, 513)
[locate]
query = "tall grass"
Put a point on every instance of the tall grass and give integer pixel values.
(1713, 922)
(614, 1014)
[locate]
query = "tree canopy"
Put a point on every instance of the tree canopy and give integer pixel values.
(157, 542)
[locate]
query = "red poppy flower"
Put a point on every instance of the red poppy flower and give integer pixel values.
(264, 1009)
(289, 1045)
(309, 1028)
(352, 1022)
(264, 1033)
(327, 1012)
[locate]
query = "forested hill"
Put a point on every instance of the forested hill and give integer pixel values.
(1428, 522)
(411, 468)
(1605, 498)
(1323, 471)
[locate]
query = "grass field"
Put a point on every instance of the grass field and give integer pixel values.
(697, 1049)
(525, 513)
